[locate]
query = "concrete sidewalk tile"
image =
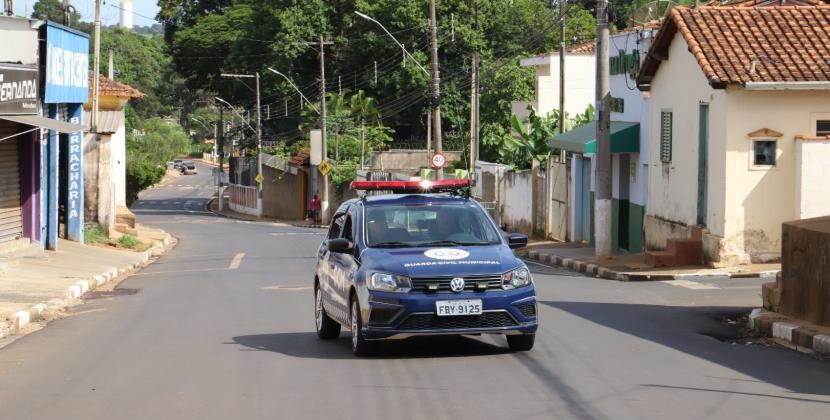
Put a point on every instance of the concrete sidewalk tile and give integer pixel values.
(821, 344)
(783, 330)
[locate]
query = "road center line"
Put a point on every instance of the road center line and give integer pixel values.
(236, 261)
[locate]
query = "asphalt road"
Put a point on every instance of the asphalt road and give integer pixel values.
(221, 328)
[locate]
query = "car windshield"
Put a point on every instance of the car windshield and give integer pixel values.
(428, 224)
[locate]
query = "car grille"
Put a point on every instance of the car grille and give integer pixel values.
(496, 319)
(419, 284)
(527, 309)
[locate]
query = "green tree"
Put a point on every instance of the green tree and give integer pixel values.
(52, 10)
(142, 62)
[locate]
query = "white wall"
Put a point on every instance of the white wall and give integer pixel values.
(580, 82)
(119, 166)
(680, 86)
(812, 178)
(19, 40)
(758, 200)
(516, 197)
(636, 110)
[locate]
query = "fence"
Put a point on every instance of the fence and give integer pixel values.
(243, 170)
(243, 199)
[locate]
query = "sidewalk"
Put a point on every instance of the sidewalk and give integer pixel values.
(213, 207)
(632, 267)
(37, 285)
(796, 334)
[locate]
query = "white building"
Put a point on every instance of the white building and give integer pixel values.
(580, 80)
(740, 131)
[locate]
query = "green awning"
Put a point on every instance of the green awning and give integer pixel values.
(625, 138)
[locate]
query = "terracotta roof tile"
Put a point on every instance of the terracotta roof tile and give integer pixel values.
(739, 44)
(109, 87)
(300, 159)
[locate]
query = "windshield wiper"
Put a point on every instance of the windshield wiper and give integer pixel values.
(454, 243)
(391, 244)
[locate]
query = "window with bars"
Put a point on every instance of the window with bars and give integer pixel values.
(665, 136)
(822, 128)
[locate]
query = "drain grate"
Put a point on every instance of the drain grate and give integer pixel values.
(98, 294)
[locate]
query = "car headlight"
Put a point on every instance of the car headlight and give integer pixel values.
(519, 277)
(389, 283)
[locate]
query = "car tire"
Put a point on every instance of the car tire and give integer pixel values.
(327, 328)
(522, 342)
(360, 346)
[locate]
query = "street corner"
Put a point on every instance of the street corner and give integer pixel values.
(789, 332)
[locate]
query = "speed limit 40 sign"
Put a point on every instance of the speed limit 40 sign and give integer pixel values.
(439, 160)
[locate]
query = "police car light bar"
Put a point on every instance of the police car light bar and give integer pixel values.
(447, 185)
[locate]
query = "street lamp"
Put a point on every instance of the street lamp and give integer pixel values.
(436, 126)
(371, 19)
(258, 132)
(311, 104)
(322, 112)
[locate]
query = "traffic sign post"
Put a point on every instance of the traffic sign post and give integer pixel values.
(324, 168)
(438, 160)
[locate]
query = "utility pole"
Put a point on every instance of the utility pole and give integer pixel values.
(436, 85)
(9, 8)
(66, 12)
(562, 67)
(474, 115)
(221, 141)
(259, 144)
(324, 217)
(603, 216)
(96, 68)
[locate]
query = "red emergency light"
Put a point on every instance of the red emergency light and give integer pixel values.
(399, 187)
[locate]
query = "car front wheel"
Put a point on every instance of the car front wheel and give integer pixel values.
(522, 342)
(327, 328)
(360, 346)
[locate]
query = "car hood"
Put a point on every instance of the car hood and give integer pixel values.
(446, 261)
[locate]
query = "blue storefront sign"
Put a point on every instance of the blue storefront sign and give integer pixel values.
(67, 65)
(66, 89)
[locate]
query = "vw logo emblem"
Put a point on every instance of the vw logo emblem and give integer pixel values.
(457, 284)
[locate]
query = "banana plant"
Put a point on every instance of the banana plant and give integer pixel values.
(530, 141)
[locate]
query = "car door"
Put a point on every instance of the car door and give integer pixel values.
(326, 269)
(344, 266)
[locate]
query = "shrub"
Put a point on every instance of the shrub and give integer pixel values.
(129, 241)
(95, 234)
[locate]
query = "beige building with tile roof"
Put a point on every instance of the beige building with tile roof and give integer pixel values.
(740, 116)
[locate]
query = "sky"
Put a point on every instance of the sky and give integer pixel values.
(144, 10)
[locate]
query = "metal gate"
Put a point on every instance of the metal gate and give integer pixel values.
(558, 213)
(11, 218)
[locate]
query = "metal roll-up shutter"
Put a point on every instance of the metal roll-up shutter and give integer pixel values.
(11, 218)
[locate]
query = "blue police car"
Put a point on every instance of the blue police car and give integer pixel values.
(425, 260)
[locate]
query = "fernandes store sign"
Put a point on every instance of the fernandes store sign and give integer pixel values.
(18, 89)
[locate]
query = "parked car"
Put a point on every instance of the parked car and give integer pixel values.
(177, 163)
(187, 167)
(427, 262)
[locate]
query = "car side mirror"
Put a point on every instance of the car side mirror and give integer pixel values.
(339, 245)
(517, 240)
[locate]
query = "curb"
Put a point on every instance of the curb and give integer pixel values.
(299, 225)
(781, 329)
(74, 292)
(595, 270)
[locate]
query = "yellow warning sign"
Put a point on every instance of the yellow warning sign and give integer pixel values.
(324, 168)
(259, 178)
